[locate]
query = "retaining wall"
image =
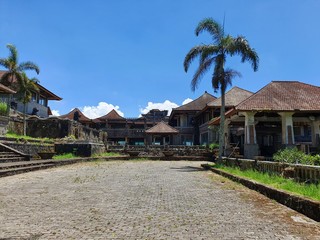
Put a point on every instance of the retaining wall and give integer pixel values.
(302, 173)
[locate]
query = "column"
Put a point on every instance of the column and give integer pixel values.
(287, 128)
(251, 148)
(226, 134)
(315, 132)
(250, 130)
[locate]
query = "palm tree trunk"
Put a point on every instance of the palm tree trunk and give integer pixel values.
(24, 119)
(221, 130)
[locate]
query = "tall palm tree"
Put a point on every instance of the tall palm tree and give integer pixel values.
(215, 55)
(26, 88)
(14, 68)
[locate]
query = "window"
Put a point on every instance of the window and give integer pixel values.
(43, 101)
(34, 97)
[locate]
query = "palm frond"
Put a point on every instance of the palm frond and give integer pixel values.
(4, 62)
(202, 69)
(13, 57)
(208, 51)
(28, 66)
(212, 27)
(240, 46)
(191, 55)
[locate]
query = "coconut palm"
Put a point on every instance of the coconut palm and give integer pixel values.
(214, 55)
(14, 68)
(26, 88)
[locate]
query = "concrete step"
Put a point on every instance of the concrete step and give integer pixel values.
(18, 170)
(12, 159)
(4, 154)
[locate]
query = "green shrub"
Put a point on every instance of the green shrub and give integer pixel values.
(293, 155)
(213, 146)
(3, 108)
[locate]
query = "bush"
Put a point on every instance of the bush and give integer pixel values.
(213, 146)
(293, 156)
(3, 108)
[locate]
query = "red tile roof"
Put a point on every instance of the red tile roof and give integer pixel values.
(283, 96)
(82, 117)
(233, 97)
(197, 104)
(6, 90)
(162, 128)
(112, 115)
(43, 91)
(216, 121)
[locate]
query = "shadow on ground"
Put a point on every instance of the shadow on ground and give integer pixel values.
(189, 169)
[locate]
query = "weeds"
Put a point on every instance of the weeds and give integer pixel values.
(308, 190)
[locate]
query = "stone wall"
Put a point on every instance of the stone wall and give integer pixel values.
(31, 149)
(56, 128)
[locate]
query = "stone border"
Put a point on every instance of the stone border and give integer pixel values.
(310, 208)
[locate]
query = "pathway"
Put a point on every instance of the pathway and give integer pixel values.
(141, 200)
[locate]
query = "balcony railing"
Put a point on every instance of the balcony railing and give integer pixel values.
(123, 132)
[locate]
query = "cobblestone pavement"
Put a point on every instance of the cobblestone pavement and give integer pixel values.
(141, 200)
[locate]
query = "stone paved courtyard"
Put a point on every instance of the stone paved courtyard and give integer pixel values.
(141, 200)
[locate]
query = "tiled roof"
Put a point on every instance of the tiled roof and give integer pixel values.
(4, 89)
(216, 120)
(43, 91)
(283, 96)
(70, 115)
(111, 115)
(197, 104)
(233, 97)
(162, 128)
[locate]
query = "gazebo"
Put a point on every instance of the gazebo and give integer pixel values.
(161, 133)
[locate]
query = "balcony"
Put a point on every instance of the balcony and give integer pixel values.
(123, 132)
(185, 130)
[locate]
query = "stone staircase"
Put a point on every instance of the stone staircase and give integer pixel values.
(12, 168)
(6, 156)
(15, 162)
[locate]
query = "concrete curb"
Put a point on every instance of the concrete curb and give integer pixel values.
(310, 208)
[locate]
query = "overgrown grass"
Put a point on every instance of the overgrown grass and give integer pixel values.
(64, 156)
(307, 190)
(19, 137)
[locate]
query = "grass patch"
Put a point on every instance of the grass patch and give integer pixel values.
(64, 156)
(307, 190)
(21, 137)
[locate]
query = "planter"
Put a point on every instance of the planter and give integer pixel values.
(168, 153)
(133, 153)
(207, 154)
(46, 155)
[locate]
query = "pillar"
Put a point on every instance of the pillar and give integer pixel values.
(250, 130)
(251, 148)
(226, 134)
(287, 134)
(315, 132)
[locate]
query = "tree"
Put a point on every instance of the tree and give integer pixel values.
(26, 88)
(14, 68)
(215, 55)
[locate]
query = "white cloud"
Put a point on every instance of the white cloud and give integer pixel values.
(166, 105)
(55, 113)
(97, 111)
(187, 101)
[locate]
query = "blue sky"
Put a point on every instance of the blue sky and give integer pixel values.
(128, 53)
